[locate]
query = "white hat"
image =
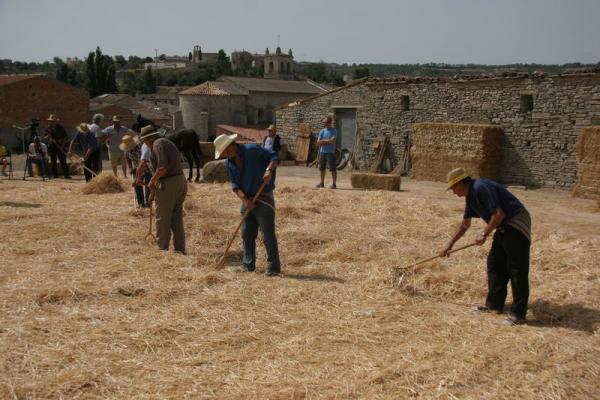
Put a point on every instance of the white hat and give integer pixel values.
(222, 142)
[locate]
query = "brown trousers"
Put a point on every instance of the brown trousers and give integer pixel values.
(169, 212)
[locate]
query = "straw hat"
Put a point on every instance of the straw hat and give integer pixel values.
(116, 118)
(272, 128)
(455, 176)
(128, 142)
(222, 142)
(53, 118)
(83, 128)
(148, 131)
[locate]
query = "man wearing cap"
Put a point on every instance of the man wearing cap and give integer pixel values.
(91, 150)
(57, 138)
(249, 166)
(114, 135)
(96, 130)
(326, 142)
(508, 259)
(169, 187)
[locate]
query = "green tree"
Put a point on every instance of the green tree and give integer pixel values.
(101, 73)
(361, 72)
(223, 65)
(121, 61)
(149, 81)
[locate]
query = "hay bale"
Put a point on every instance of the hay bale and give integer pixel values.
(370, 180)
(588, 163)
(215, 171)
(438, 148)
(103, 183)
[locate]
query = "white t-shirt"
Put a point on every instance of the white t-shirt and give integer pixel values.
(146, 153)
(33, 150)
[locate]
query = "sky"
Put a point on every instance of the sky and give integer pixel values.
(350, 31)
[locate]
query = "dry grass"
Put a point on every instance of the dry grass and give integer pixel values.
(90, 310)
(104, 183)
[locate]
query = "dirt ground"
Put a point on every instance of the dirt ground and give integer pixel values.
(91, 310)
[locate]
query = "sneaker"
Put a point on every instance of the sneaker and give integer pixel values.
(320, 185)
(485, 309)
(512, 320)
(272, 273)
(332, 186)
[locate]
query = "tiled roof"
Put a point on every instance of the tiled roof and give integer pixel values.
(8, 79)
(216, 88)
(250, 133)
(275, 85)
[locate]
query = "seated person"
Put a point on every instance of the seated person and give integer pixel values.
(4, 159)
(37, 153)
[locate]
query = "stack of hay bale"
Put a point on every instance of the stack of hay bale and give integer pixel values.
(588, 164)
(437, 148)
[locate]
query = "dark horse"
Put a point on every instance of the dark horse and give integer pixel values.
(186, 140)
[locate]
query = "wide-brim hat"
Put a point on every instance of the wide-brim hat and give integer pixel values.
(148, 131)
(455, 176)
(83, 128)
(272, 128)
(53, 118)
(128, 142)
(97, 116)
(222, 142)
(116, 118)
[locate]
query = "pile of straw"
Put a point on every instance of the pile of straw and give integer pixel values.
(215, 171)
(368, 180)
(588, 164)
(438, 148)
(104, 183)
(93, 311)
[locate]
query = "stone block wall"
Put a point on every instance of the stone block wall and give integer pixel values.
(538, 145)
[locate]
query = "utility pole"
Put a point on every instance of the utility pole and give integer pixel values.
(155, 59)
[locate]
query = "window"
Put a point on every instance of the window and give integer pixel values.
(289, 68)
(261, 114)
(281, 67)
(526, 102)
(271, 66)
(404, 103)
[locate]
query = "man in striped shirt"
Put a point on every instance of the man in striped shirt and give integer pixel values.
(508, 259)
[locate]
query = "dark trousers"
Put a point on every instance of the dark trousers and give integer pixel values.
(54, 152)
(41, 163)
(93, 162)
(142, 193)
(262, 216)
(508, 260)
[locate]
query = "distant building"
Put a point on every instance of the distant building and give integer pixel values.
(164, 96)
(128, 108)
(23, 97)
(239, 101)
(276, 66)
(196, 57)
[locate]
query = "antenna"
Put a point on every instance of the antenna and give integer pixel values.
(278, 35)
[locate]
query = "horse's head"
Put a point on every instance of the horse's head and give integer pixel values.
(141, 122)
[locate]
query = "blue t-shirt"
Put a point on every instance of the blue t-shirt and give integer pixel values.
(325, 134)
(255, 160)
(485, 196)
(87, 142)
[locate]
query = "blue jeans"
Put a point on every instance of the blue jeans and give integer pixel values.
(263, 217)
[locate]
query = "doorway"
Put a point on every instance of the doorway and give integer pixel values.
(345, 124)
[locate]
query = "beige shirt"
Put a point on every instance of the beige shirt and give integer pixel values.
(166, 154)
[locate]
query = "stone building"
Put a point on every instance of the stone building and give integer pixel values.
(239, 101)
(196, 57)
(23, 97)
(128, 108)
(540, 116)
(276, 66)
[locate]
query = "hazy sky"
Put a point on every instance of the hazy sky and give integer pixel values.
(365, 31)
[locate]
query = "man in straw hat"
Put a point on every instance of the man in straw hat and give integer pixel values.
(508, 259)
(132, 146)
(249, 165)
(91, 150)
(326, 142)
(114, 135)
(57, 138)
(169, 187)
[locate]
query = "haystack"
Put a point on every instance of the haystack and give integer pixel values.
(215, 171)
(103, 183)
(369, 180)
(588, 164)
(438, 148)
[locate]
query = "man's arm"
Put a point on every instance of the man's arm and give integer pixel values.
(495, 222)
(160, 172)
(462, 228)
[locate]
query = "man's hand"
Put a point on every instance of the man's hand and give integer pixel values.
(481, 239)
(248, 204)
(445, 251)
(267, 176)
(152, 185)
(138, 182)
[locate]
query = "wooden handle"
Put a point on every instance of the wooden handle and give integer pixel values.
(222, 261)
(434, 257)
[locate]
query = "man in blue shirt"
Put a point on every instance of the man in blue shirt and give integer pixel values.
(508, 259)
(91, 150)
(249, 166)
(326, 142)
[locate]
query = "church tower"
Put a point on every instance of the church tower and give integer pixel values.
(279, 65)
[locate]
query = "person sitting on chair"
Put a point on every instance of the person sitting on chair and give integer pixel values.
(4, 159)
(37, 153)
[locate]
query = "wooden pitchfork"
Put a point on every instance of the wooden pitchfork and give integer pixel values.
(412, 266)
(151, 206)
(222, 260)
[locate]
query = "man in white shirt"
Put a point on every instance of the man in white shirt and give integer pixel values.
(115, 133)
(96, 130)
(37, 153)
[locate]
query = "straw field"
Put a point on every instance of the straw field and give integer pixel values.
(588, 164)
(91, 310)
(437, 148)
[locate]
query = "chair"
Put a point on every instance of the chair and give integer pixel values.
(9, 163)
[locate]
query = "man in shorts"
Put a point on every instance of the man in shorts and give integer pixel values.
(326, 142)
(115, 133)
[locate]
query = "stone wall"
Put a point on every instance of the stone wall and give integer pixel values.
(267, 102)
(538, 147)
(221, 110)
